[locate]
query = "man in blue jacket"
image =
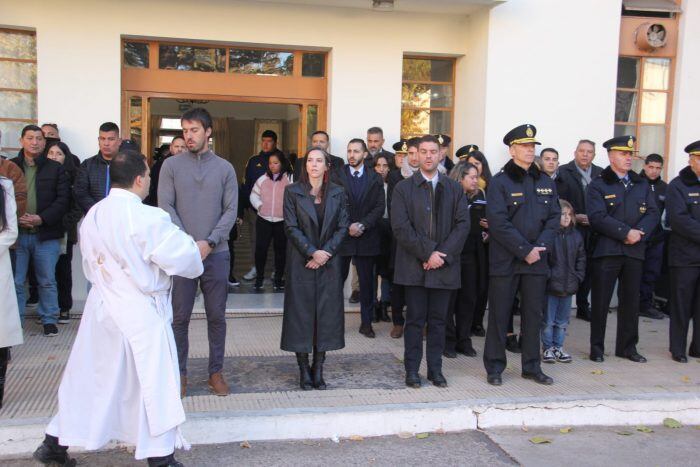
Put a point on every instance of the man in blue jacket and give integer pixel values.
(622, 211)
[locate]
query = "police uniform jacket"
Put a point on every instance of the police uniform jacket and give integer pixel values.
(683, 213)
(423, 222)
(614, 210)
(658, 188)
(523, 212)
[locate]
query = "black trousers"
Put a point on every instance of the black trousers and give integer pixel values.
(64, 279)
(651, 271)
(684, 306)
(365, 274)
(482, 287)
(425, 305)
(460, 315)
(398, 301)
(267, 232)
(502, 290)
(607, 271)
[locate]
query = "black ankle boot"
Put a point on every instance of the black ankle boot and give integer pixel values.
(4, 357)
(305, 381)
(317, 370)
(51, 453)
(165, 461)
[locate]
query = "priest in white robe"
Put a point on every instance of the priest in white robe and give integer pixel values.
(122, 380)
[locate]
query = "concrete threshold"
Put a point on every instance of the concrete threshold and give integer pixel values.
(21, 436)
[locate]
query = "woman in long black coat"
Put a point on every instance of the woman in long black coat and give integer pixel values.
(316, 222)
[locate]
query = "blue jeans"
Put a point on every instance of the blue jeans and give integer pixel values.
(44, 255)
(556, 319)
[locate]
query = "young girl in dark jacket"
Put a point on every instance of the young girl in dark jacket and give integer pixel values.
(568, 267)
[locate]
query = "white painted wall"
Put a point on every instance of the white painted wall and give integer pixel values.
(685, 127)
(78, 49)
(551, 63)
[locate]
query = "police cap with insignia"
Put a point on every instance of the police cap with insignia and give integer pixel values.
(621, 143)
(523, 134)
(464, 151)
(401, 146)
(444, 140)
(693, 149)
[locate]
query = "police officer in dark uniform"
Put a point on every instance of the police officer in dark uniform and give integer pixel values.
(622, 212)
(463, 152)
(445, 159)
(683, 213)
(654, 254)
(523, 217)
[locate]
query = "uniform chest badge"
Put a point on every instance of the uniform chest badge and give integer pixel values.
(544, 191)
(693, 194)
(259, 164)
(643, 209)
(610, 196)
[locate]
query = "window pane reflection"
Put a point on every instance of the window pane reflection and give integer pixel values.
(261, 62)
(654, 107)
(311, 120)
(188, 58)
(313, 64)
(627, 72)
(17, 105)
(426, 95)
(421, 122)
(135, 119)
(17, 75)
(656, 73)
(624, 130)
(17, 45)
(626, 106)
(652, 139)
(136, 54)
(418, 69)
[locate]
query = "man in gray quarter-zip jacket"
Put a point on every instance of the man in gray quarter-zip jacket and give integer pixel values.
(199, 190)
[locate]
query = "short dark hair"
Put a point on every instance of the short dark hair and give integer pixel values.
(30, 128)
(549, 150)
(269, 134)
(653, 157)
(375, 130)
(429, 139)
(413, 142)
(321, 132)
(359, 141)
(177, 137)
(198, 114)
(52, 125)
(109, 126)
(125, 167)
(586, 141)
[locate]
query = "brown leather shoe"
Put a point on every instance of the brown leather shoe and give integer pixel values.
(218, 385)
(183, 386)
(396, 331)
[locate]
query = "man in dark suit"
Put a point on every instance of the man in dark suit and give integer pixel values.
(375, 146)
(320, 139)
(366, 203)
(572, 184)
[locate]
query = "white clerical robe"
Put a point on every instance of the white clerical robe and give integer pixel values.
(122, 380)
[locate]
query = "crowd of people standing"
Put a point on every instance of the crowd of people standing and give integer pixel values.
(431, 242)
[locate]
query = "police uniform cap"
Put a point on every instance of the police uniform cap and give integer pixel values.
(464, 151)
(523, 134)
(693, 149)
(621, 143)
(401, 146)
(444, 140)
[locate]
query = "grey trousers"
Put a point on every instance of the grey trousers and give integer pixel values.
(214, 283)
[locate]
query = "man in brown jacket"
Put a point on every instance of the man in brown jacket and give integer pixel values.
(13, 172)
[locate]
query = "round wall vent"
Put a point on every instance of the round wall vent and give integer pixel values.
(650, 36)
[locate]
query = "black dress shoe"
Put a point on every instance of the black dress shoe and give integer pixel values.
(51, 453)
(494, 380)
(437, 379)
(597, 358)
(512, 344)
(478, 331)
(680, 358)
(449, 353)
(540, 378)
(367, 331)
(652, 313)
(468, 351)
(413, 379)
(634, 357)
(694, 354)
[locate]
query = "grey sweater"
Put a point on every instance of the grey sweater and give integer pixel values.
(201, 195)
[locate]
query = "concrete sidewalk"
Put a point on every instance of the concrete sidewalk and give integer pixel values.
(366, 395)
